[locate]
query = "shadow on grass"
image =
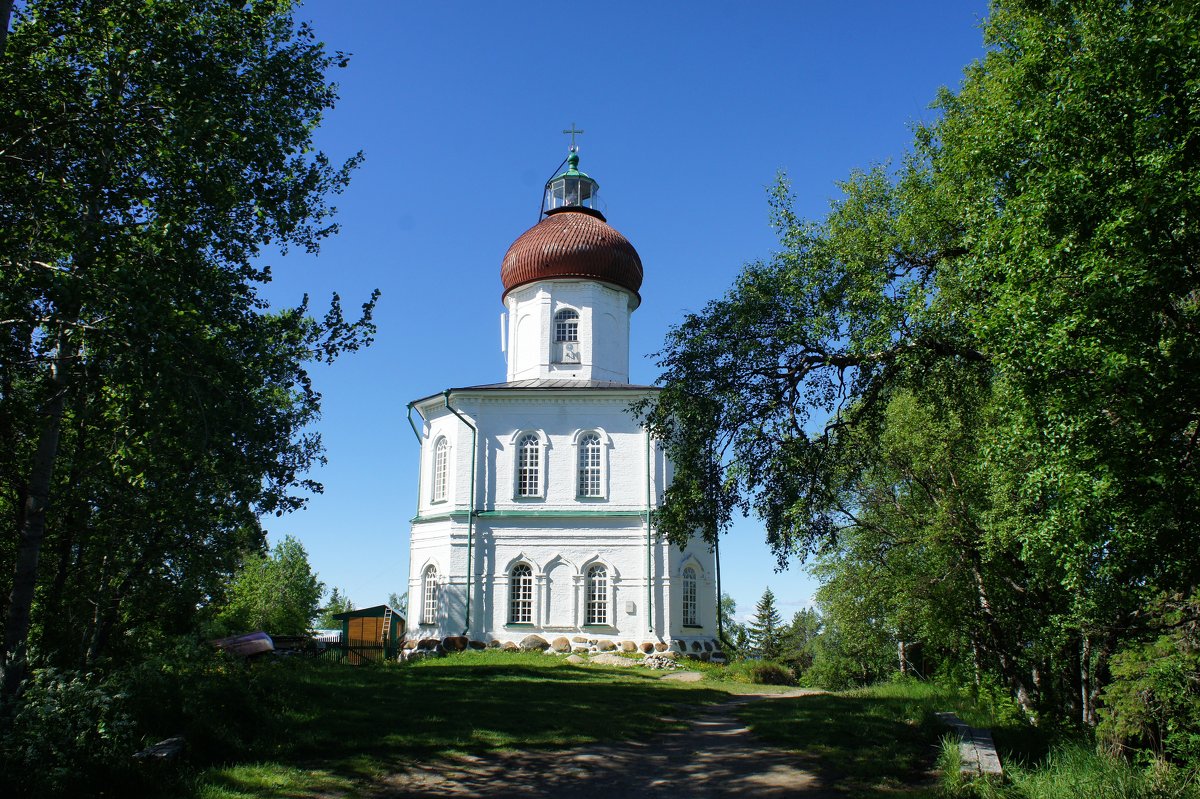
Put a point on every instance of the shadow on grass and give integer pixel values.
(859, 745)
(345, 723)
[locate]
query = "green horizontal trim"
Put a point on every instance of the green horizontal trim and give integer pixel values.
(461, 515)
(439, 517)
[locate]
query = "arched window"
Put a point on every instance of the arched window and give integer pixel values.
(566, 325)
(689, 597)
(429, 589)
(441, 452)
(566, 336)
(520, 594)
(589, 466)
(597, 596)
(529, 464)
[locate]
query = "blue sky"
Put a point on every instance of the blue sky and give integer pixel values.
(689, 111)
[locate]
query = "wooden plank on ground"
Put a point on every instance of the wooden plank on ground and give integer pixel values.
(976, 748)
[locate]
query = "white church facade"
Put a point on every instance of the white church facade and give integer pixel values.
(536, 494)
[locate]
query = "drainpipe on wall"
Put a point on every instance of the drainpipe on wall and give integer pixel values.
(470, 507)
(649, 570)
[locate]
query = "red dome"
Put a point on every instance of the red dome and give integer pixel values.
(572, 243)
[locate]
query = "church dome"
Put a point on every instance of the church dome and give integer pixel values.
(572, 242)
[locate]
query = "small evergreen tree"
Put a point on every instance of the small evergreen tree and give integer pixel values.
(766, 630)
(338, 603)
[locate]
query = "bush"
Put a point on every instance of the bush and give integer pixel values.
(1153, 702)
(67, 729)
(766, 672)
(74, 734)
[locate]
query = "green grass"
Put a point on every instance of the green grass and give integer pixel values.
(1076, 770)
(342, 728)
(345, 726)
(873, 742)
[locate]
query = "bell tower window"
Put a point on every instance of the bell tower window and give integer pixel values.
(566, 336)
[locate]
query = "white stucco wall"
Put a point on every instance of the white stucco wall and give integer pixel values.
(604, 313)
(558, 533)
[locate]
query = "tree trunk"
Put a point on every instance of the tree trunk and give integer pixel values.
(977, 661)
(1087, 691)
(33, 527)
(5, 16)
(1008, 669)
(902, 654)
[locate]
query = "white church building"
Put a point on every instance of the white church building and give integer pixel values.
(535, 493)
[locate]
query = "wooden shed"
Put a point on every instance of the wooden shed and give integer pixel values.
(371, 633)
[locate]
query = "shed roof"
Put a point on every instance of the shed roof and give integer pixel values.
(367, 613)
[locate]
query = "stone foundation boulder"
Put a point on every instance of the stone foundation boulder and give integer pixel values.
(534, 643)
(661, 647)
(719, 657)
(696, 646)
(579, 639)
(628, 646)
(455, 643)
(580, 650)
(606, 646)
(509, 646)
(576, 659)
(477, 645)
(660, 662)
(410, 644)
(494, 643)
(708, 647)
(561, 644)
(428, 643)
(647, 647)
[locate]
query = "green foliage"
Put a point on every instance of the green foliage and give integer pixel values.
(1153, 701)
(74, 734)
(278, 593)
(338, 603)
(735, 633)
(766, 631)
(799, 638)
(67, 730)
(152, 405)
(970, 391)
(765, 672)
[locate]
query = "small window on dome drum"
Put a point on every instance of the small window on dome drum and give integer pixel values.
(566, 336)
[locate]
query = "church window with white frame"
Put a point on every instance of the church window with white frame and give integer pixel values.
(597, 595)
(529, 466)
(520, 594)
(590, 475)
(441, 453)
(689, 597)
(566, 336)
(429, 590)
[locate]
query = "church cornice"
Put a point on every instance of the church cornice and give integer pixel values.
(531, 513)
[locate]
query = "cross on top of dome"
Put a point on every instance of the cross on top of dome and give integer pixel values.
(572, 189)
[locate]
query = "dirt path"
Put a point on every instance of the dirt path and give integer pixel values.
(715, 755)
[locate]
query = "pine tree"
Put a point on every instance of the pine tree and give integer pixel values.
(766, 629)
